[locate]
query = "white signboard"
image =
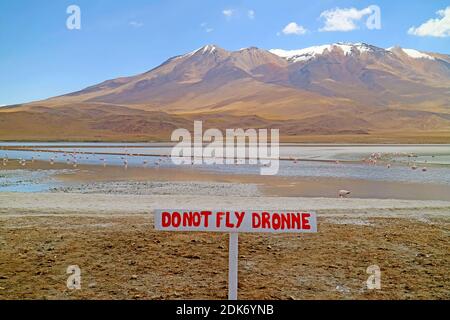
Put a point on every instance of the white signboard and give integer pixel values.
(234, 222)
(286, 221)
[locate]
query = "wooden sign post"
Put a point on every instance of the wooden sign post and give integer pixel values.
(235, 222)
(233, 266)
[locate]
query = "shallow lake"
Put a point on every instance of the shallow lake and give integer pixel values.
(316, 160)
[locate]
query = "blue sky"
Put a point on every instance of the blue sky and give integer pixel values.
(40, 57)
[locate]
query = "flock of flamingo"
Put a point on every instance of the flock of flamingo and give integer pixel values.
(374, 157)
(72, 159)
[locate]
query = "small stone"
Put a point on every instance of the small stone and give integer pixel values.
(269, 247)
(194, 257)
(92, 285)
(4, 278)
(134, 277)
(264, 287)
(221, 247)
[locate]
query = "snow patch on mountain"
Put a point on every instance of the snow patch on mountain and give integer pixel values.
(204, 50)
(307, 54)
(209, 49)
(414, 53)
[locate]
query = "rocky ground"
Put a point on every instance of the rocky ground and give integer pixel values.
(112, 239)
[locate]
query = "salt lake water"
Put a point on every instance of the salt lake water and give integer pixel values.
(315, 160)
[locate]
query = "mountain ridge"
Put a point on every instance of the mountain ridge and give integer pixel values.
(323, 90)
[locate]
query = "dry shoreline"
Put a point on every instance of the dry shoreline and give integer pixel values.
(97, 204)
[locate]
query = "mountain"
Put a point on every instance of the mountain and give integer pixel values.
(335, 92)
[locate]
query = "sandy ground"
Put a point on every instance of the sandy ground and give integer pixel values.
(97, 204)
(111, 238)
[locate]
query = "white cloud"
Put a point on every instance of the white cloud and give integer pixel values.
(232, 13)
(294, 28)
(228, 13)
(136, 24)
(343, 19)
(206, 28)
(439, 27)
